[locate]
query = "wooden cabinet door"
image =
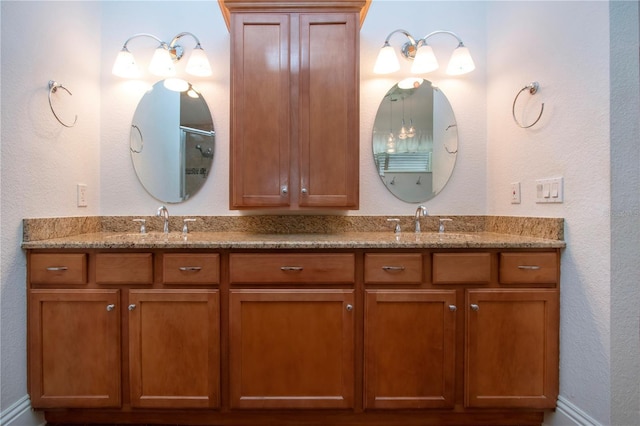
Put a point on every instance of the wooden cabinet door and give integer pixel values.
(174, 355)
(511, 348)
(329, 118)
(291, 348)
(260, 110)
(74, 348)
(409, 349)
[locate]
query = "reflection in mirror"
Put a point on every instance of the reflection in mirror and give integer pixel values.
(415, 140)
(172, 143)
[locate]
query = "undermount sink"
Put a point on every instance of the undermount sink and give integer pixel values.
(149, 236)
(449, 235)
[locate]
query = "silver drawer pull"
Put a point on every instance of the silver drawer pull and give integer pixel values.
(190, 268)
(291, 268)
(393, 268)
(57, 268)
(528, 267)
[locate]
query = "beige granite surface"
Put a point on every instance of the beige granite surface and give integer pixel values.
(295, 232)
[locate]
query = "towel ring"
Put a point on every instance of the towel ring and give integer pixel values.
(533, 89)
(141, 141)
(53, 88)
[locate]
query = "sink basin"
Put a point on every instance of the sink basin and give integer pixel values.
(449, 235)
(149, 236)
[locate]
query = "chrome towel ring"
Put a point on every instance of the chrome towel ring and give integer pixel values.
(533, 89)
(53, 88)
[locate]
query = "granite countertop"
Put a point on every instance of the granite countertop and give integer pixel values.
(292, 232)
(243, 240)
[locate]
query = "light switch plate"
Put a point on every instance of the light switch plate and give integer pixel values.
(550, 190)
(82, 195)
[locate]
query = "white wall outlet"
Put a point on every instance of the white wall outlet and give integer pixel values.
(82, 195)
(515, 193)
(550, 190)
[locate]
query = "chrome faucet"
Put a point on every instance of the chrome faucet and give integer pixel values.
(421, 210)
(164, 213)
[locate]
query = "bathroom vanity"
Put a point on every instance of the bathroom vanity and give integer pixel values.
(347, 328)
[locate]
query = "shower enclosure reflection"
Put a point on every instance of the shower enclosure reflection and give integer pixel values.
(172, 143)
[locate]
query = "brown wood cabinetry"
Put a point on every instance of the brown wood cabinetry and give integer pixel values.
(409, 349)
(511, 357)
(174, 348)
(291, 348)
(89, 345)
(348, 336)
(294, 105)
(74, 348)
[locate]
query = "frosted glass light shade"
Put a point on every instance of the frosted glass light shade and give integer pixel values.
(125, 65)
(198, 63)
(162, 63)
(425, 61)
(387, 61)
(461, 61)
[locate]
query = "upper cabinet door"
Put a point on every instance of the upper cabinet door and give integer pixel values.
(294, 109)
(328, 107)
(260, 110)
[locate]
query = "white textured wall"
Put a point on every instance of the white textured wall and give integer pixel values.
(625, 213)
(122, 194)
(42, 161)
(564, 45)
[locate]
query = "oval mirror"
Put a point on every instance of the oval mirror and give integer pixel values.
(415, 140)
(172, 143)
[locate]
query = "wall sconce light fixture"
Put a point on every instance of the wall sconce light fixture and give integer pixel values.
(163, 61)
(421, 53)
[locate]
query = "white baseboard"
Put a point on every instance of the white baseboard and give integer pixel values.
(568, 414)
(20, 414)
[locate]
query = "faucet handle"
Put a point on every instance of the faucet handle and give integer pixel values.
(143, 225)
(397, 229)
(442, 221)
(185, 227)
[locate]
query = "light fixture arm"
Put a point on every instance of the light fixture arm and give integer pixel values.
(409, 50)
(162, 43)
(176, 49)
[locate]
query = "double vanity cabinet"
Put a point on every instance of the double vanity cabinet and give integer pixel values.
(359, 334)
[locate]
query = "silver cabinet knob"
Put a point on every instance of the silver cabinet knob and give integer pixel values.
(110, 307)
(131, 307)
(453, 308)
(304, 191)
(475, 307)
(349, 307)
(284, 189)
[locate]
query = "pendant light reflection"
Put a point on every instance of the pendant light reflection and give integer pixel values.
(391, 139)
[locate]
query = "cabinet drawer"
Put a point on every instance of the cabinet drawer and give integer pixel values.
(58, 268)
(393, 268)
(292, 268)
(184, 268)
(461, 268)
(528, 268)
(124, 268)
